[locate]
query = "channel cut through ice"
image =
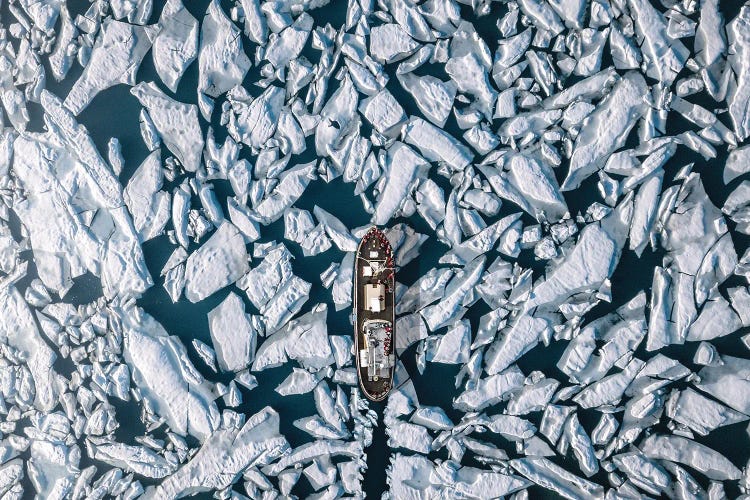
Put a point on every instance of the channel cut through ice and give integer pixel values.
(565, 184)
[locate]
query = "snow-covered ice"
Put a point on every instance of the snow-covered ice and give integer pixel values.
(183, 187)
(220, 261)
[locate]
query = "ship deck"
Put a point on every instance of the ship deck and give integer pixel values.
(374, 390)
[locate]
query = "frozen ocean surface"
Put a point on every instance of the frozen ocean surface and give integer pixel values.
(565, 185)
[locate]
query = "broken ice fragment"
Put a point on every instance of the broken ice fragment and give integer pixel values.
(453, 346)
(470, 75)
(437, 145)
(18, 330)
(177, 123)
(176, 45)
(480, 243)
(219, 262)
(433, 97)
(298, 382)
(253, 121)
(688, 452)
(382, 111)
(147, 204)
(581, 445)
(738, 97)
(415, 476)
(665, 56)
(729, 383)
(64, 246)
(233, 336)
(700, 413)
(619, 110)
(309, 451)
(440, 314)
(336, 230)
(115, 58)
(292, 184)
(403, 168)
(409, 436)
(536, 181)
(286, 303)
(738, 163)
(225, 455)
(427, 289)
(390, 43)
(138, 459)
(165, 376)
(490, 390)
(555, 478)
(222, 62)
(542, 15)
(304, 339)
(256, 28)
(645, 473)
(287, 45)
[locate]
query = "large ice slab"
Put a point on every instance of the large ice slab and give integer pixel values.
(177, 123)
(148, 205)
(665, 56)
(176, 45)
(490, 390)
(165, 376)
(225, 455)
(442, 313)
(620, 110)
(138, 459)
(436, 145)
(738, 97)
(728, 382)
(417, 477)
(253, 121)
(65, 244)
(292, 183)
(555, 478)
(219, 262)
(115, 58)
(273, 288)
(695, 455)
(222, 62)
(403, 168)
(232, 333)
(304, 339)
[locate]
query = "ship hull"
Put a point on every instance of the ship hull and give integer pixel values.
(374, 315)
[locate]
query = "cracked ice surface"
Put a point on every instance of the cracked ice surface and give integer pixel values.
(564, 183)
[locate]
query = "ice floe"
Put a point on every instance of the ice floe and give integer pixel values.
(564, 185)
(220, 261)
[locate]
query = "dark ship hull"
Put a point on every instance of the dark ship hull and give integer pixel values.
(374, 315)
